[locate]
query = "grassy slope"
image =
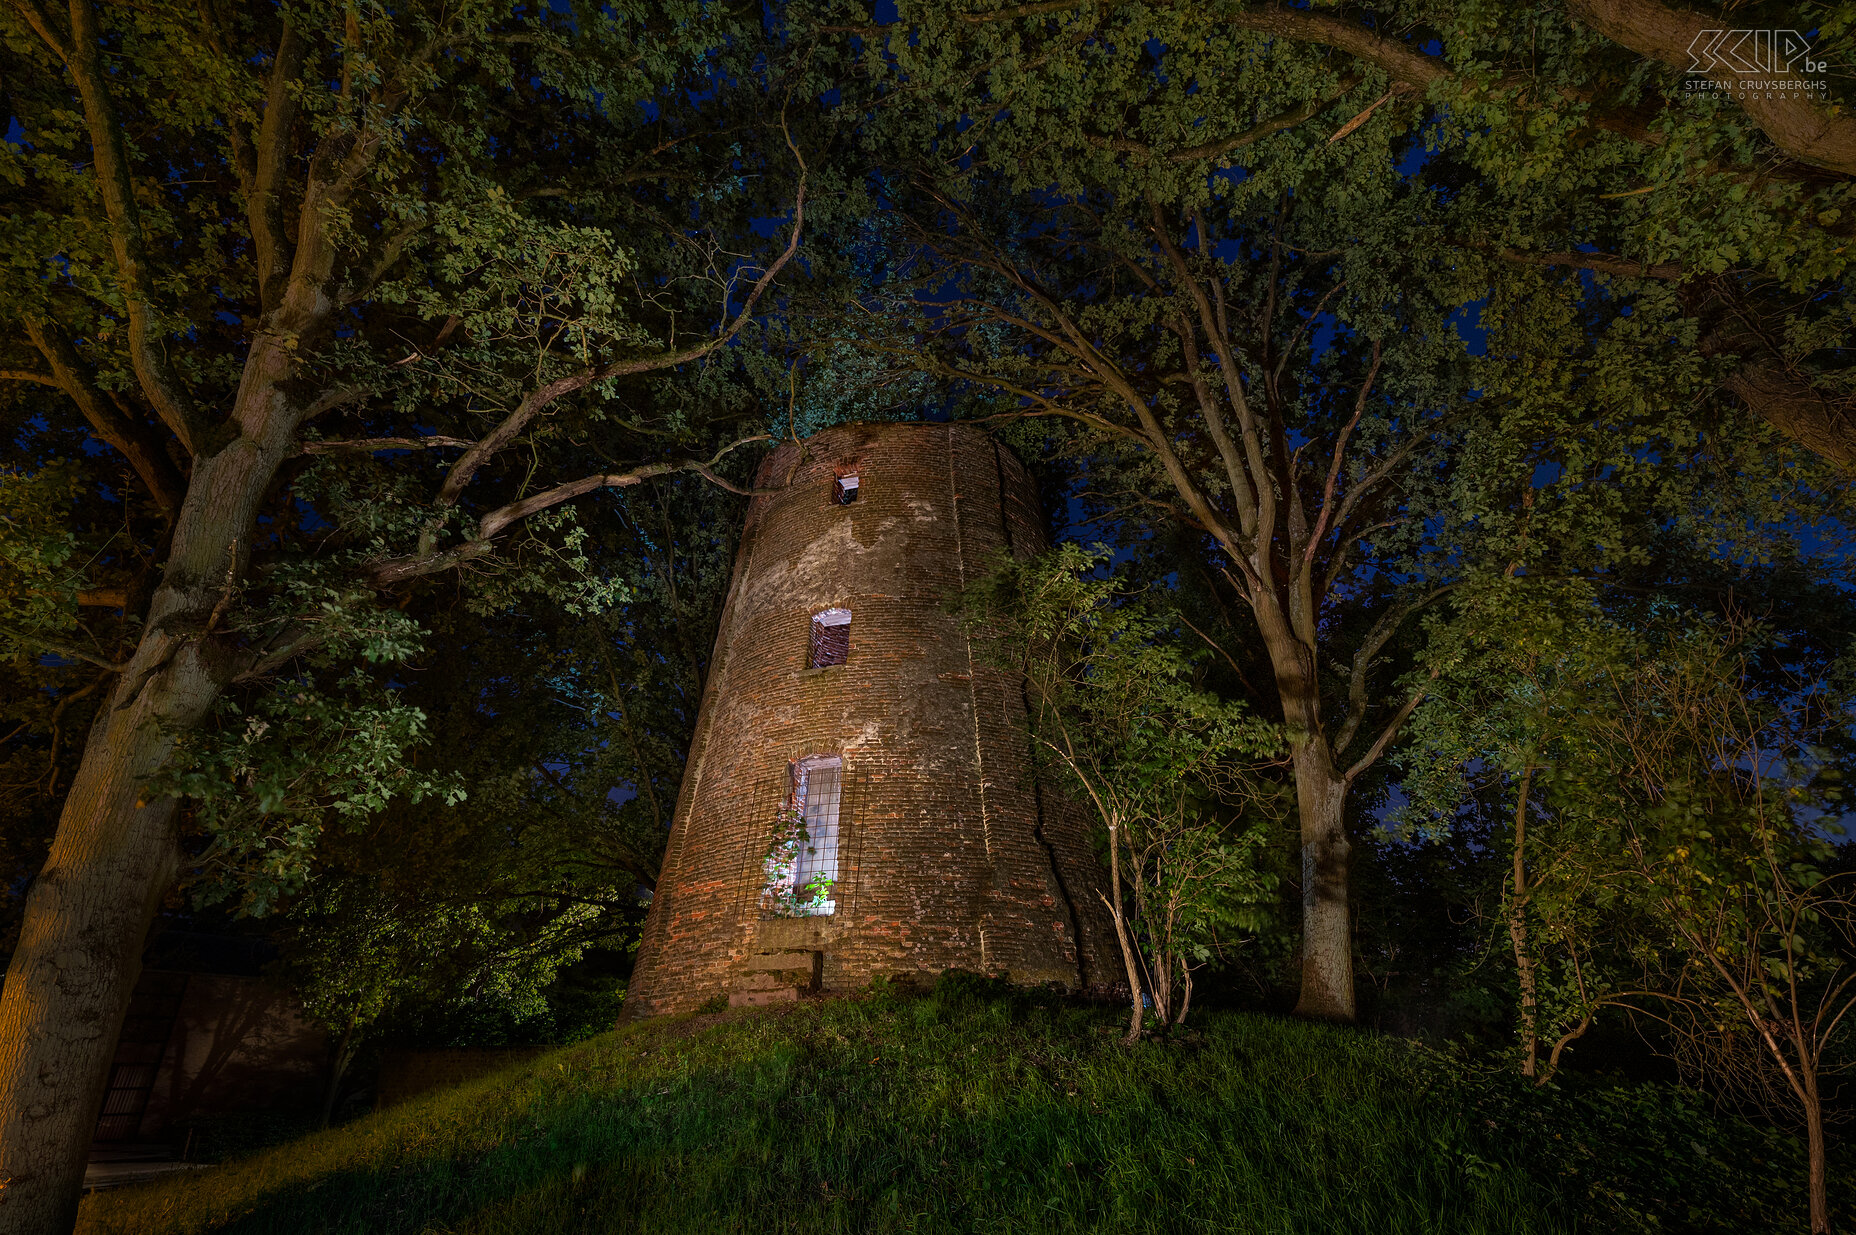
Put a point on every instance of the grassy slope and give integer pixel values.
(969, 1111)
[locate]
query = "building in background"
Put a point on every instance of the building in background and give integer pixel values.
(206, 1035)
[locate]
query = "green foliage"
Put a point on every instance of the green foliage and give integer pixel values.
(56, 539)
(502, 221)
(266, 782)
(1169, 769)
(975, 1109)
(359, 951)
(37, 548)
(570, 729)
(1678, 775)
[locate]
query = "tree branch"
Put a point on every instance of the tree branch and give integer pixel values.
(163, 389)
(26, 375)
(466, 468)
(1340, 449)
(1385, 736)
(1401, 62)
(1376, 638)
(1211, 150)
(383, 443)
(265, 206)
(58, 648)
(1792, 120)
(391, 571)
(135, 442)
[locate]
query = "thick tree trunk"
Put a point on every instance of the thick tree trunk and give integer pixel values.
(79, 955)
(1819, 422)
(116, 852)
(1327, 930)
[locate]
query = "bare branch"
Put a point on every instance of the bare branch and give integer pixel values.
(1386, 735)
(1340, 449)
(26, 375)
(135, 442)
(1363, 117)
(1275, 124)
(1377, 637)
(270, 161)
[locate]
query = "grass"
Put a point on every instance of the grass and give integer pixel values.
(975, 1109)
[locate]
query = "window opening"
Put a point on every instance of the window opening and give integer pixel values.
(845, 491)
(802, 865)
(831, 639)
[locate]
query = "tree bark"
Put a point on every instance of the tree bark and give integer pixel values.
(1814, 1146)
(116, 851)
(1796, 408)
(1327, 932)
(1819, 419)
(78, 958)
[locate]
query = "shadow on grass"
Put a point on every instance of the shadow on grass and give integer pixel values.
(952, 1114)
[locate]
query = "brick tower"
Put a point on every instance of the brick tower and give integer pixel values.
(843, 693)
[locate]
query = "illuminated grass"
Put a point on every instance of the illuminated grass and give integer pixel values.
(963, 1112)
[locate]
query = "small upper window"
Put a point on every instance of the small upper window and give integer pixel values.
(831, 638)
(845, 491)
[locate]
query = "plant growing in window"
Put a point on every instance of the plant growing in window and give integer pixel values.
(785, 894)
(802, 857)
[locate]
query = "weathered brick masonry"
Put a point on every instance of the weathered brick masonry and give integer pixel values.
(950, 856)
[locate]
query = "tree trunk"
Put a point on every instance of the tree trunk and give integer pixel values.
(1121, 935)
(1185, 996)
(116, 853)
(1517, 935)
(338, 1068)
(79, 954)
(1327, 931)
(80, 946)
(1814, 1146)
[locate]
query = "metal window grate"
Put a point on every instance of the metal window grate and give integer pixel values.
(818, 786)
(831, 639)
(810, 881)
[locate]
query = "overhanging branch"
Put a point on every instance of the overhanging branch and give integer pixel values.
(388, 572)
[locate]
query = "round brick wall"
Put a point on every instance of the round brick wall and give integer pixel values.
(949, 854)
